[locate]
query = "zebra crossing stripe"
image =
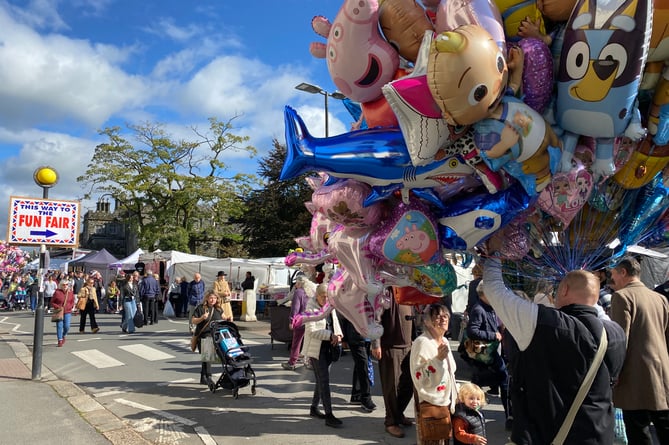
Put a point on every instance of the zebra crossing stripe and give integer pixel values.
(185, 342)
(146, 352)
(98, 359)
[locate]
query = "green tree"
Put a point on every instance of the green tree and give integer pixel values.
(275, 215)
(174, 194)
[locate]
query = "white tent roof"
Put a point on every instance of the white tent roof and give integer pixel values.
(265, 272)
(127, 262)
(54, 263)
(171, 256)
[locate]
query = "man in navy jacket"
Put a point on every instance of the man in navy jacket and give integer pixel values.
(149, 291)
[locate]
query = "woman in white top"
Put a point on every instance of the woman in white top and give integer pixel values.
(432, 363)
(319, 335)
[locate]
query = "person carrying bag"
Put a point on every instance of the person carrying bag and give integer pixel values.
(210, 310)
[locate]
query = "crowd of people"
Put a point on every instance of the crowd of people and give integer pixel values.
(562, 361)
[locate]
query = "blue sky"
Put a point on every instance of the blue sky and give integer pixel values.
(69, 68)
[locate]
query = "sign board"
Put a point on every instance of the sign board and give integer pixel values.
(43, 221)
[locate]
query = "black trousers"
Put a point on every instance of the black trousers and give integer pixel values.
(149, 309)
(90, 311)
(637, 426)
(321, 367)
(361, 387)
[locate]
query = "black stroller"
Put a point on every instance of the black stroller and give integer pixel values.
(236, 361)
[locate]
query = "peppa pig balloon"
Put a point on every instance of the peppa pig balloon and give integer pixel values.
(408, 236)
(359, 59)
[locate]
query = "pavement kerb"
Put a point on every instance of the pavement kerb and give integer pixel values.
(104, 421)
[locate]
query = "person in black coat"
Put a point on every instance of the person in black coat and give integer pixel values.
(484, 325)
(249, 281)
(181, 310)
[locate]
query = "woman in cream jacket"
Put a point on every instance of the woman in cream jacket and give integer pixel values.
(319, 335)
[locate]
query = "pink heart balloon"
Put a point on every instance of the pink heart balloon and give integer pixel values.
(566, 194)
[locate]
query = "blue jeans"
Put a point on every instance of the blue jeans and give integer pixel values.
(130, 308)
(33, 302)
(63, 326)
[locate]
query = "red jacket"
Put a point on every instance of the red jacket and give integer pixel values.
(59, 297)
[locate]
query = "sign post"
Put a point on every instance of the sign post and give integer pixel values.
(40, 221)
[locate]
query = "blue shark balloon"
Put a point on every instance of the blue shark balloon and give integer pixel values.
(470, 220)
(376, 156)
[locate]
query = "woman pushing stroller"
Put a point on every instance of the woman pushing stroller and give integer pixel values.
(209, 310)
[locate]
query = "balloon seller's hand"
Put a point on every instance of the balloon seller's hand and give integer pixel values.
(494, 244)
(530, 28)
(515, 64)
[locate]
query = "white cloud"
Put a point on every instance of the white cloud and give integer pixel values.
(51, 85)
(51, 79)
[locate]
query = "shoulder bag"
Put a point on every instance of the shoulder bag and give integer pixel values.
(435, 421)
(196, 337)
(138, 318)
(81, 303)
(58, 314)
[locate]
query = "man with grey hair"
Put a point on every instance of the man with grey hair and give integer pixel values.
(556, 347)
(642, 391)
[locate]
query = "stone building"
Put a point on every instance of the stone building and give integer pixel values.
(104, 228)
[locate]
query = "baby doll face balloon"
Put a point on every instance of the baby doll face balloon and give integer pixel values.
(467, 74)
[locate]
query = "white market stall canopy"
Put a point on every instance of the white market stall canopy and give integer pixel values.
(127, 263)
(162, 261)
(266, 271)
(59, 263)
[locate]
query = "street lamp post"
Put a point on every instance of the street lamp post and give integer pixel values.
(45, 177)
(313, 89)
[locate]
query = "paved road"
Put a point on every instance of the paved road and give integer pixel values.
(149, 382)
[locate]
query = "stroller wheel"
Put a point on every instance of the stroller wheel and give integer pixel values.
(253, 390)
(212, 387)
